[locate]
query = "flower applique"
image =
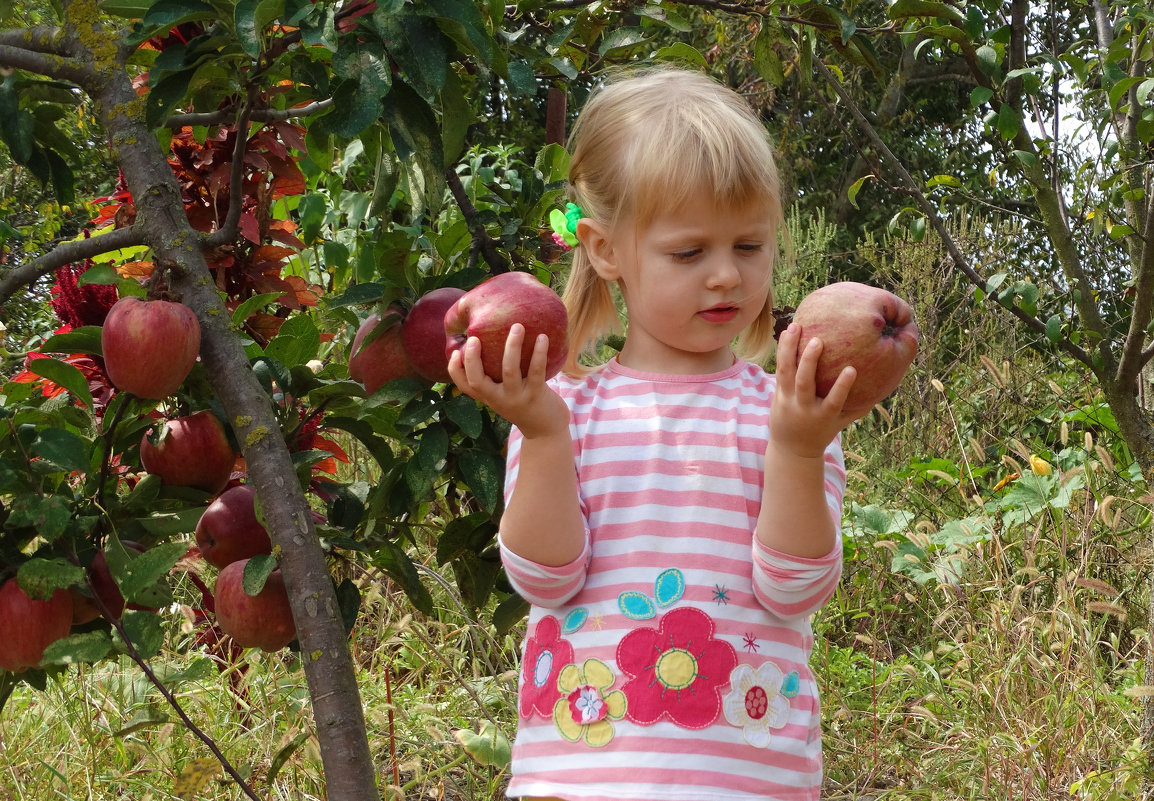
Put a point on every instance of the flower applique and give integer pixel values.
(545, 655)
(758, 700)
(677, 670)
(587, 704)
(667, 590)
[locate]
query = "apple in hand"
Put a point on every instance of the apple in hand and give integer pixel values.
(149, 346)
(229, 531)
(383, 359)
(489, 310)
(28, 626)
(192, 451)
(264, 620)
(423, 333)
(862, 326)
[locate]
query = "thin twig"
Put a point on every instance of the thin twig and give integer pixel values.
(228, 229)
(226, 115)
(67, 253)
(481, 239)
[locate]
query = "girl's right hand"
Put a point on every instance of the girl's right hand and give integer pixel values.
(526, 401)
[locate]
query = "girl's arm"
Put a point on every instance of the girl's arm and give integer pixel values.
(542, 522)
(796, 518)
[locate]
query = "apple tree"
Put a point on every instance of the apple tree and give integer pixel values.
(285, 167)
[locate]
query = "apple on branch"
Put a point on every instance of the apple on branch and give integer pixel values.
(860, 326)
(490, 309)
(149, 346)
(423, 334)
(263, 620)
(378, 354)
(28, 626)
(191, 451)
(229, 530)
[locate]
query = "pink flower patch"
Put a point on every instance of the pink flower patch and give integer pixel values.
(678, 670)
(545, 655)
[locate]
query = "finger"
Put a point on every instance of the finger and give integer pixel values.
(787, 354)
(474, 369)
(805, 380)
(511, 360)
(539, 360)
(839, 392)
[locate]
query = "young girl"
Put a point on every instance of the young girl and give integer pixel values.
(672, 515)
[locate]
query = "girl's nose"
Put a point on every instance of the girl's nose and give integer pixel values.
(724, 273)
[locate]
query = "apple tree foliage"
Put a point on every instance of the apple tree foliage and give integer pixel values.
(287, 165)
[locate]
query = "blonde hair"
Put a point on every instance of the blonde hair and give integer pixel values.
(648, 141)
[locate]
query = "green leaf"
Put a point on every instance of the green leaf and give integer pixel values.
(129, 9)
(1054, 328)
(393, 560)
(40, 578)
(102, 274)
(765, 58)
(413, 126)
(165, 15)
(465, 414)
(1119, 91)
(256, 573)
(857, 185)
(145, 630)
(987, 59)
(1008, 122)
(88, 647)
(253, 305)
(63, 448)
(144, 718)
(48, 515)
(620, 39)
(489, 748)
(522, 78)
(902, 9)
(1027, 158)
(85, 339)
(164, 96)
(679, 51)
(943, 180)
(286, 751)
(357, 295)
(63, 181)
(64, 374)
(509, 613)
(141, 571)
(484, 473)
(297, 341)
(456, 117)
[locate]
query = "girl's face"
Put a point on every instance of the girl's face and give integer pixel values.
(692, 281)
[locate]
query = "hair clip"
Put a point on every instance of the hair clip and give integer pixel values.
(564, 225)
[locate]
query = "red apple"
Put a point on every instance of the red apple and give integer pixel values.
(193, 451)
(264, 620)
(149, 346)
(84, 609)
(383, 359)
(29, 626)
(423, 333)
(228, 531)
(489, 310)
(104, 586)
(861, 326)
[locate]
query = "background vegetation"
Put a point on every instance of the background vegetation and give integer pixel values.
(991, 163)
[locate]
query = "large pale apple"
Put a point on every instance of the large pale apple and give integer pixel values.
(862, 326)
(149, 346)
(28, 626)
(192, 451)
(264, 620)
(229, 530)
(489, 310)
(423, 333)
(383, 359)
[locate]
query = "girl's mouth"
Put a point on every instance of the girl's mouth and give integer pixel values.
(719, 314)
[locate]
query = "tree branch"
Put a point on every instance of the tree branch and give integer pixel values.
(51, 65)
(177, 121)
(481, 239)
(228, 229)
(67, 253)
(932, 215)
(38, 39)
(1134, 358)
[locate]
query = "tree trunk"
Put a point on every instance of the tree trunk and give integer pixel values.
(176, 248)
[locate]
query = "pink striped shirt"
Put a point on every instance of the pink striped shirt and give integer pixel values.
(669, 662)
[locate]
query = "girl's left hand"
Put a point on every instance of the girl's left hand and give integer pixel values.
(800, 422)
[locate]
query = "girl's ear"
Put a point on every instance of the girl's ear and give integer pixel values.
(598, 247)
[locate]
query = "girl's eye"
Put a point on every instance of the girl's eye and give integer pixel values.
(687, 255)
(750, 247)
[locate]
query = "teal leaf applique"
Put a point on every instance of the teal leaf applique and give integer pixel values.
(669, 587)
(791, 684)
(636, 605)
(574, 620)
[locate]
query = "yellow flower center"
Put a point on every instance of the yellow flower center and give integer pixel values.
(676, 669)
